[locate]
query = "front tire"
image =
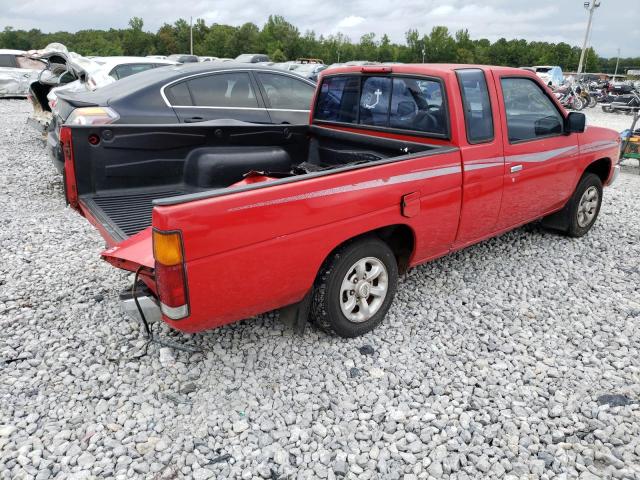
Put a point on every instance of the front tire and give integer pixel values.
(354, 288)
(585, 205)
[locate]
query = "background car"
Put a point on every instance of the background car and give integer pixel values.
(183, 58)
(187, 94)
(121, 67)
(17, 72)
(252, 58)
(207, 59)
(550, 74)
(68, 71)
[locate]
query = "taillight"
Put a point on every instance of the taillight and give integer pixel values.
(70, 188)
(92, 116)
(171, 279)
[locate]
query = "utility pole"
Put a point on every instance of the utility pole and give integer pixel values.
(617, 63)
(591, 5)
(191, 34)
(423, 52)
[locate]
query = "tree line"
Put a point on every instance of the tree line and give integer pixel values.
(283, 41)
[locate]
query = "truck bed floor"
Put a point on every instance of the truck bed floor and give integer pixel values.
(128, 213)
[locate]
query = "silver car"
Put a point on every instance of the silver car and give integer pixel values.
(17, 72)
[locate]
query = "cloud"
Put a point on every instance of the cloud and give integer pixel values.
(615, 23)
(350, 21)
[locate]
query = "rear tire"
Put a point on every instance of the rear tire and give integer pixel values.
(354, 288)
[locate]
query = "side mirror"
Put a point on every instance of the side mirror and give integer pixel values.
(574, 123)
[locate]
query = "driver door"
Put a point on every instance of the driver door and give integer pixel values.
(540, 159)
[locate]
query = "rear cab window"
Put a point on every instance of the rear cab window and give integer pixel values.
(404, 103)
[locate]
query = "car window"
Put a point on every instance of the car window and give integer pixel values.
(338, 99)
(530, 113)
(417, 105)
(286, 92)
(29, 63)
(405, 103)
(223, 90)
(374, 101)
(7, 60)
(123, 71)
(476, 104)
(179, 95)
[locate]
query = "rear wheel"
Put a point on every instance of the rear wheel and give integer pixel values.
(355, 288)
(592, 101)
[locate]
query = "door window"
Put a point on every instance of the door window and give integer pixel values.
(285, 92)
(223, 90)
(477, 105)
(7, 60)
(29, 63)
(530, 113)
(123, 71)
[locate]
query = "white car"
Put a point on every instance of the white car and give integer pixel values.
(549, 74)
(17, 72)
(207, 59)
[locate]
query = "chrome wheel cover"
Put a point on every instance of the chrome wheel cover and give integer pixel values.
(588, 206)
(364, 289)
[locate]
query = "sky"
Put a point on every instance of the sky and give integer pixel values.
(616, 22)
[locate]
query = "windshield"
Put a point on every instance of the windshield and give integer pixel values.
(543, 69)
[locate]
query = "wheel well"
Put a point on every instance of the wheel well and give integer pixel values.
(601, 168)
(400, 239)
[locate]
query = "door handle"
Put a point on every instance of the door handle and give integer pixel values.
(516, 168)
(193, 119)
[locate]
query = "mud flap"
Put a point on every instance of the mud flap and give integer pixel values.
(296, 316)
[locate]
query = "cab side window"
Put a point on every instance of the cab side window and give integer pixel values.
(477, 105)
(530, 113)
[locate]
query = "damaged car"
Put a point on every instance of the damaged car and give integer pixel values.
(70, 72)
(17, 72)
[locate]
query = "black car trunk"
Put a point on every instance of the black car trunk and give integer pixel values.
(121, 170)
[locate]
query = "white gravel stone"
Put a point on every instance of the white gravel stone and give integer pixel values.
(489, 365)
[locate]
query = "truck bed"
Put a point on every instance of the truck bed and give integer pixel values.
(119, 178)
(126, 213)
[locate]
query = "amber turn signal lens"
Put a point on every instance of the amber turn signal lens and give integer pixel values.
(167, 248)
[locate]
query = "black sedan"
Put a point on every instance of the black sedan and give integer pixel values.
(186, 94)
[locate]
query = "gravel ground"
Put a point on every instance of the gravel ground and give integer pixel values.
(516, 358)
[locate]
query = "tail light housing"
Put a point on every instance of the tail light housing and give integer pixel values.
(170, 273)
(70, 187)
(93, 116)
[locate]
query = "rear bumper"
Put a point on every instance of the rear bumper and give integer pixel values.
(148, 304)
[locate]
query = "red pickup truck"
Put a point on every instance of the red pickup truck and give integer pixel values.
(399, 165)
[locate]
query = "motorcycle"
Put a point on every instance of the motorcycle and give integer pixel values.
(628, 103)
(569, 97)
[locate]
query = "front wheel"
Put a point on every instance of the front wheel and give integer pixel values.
(584, 205)
(576, 103)
(354, 288)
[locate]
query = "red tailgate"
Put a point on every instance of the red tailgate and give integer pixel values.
(132, 253)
